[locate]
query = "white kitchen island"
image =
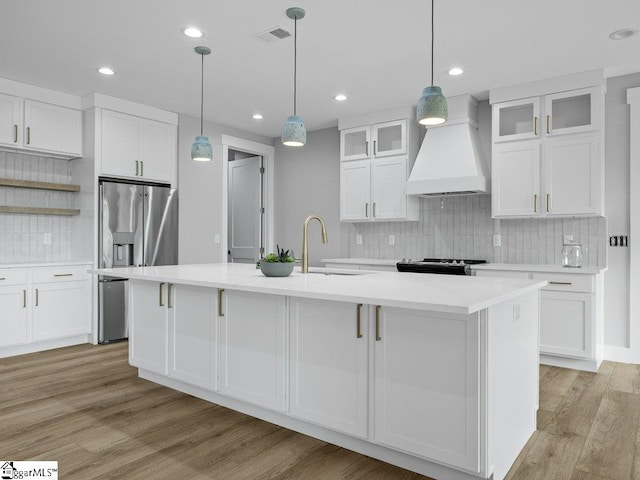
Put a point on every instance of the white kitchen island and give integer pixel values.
(437, 374)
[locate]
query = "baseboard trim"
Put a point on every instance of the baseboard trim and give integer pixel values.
(574, 363)
(42, 346)
(614, 353)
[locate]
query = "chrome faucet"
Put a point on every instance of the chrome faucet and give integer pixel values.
(305, 242)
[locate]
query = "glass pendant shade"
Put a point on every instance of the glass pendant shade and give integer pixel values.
(201, 150)
(432, 107)
(294, 133)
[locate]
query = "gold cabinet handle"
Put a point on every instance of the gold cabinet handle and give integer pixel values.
(169, 295)
(220, 314)
(28, 135)
(378, 337)
(548, 202)
(63, 274)
(37, 297)
(358, 320)
(24, 299)
(535, 203)
(535, 126)
(374, 149)
(137, 168)
(142, 168)
(160, 295)
(366, 210)
(15, 133)
(374, 209)
(3, 278)
(548, 123)
(560, 283)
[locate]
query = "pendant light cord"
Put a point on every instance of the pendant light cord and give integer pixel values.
(432, 36)
(295, 62)
(202, 95)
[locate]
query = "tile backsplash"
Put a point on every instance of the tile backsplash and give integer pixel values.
(22, 236)
(462, 227)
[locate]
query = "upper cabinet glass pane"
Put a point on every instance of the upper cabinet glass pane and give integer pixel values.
(571, 111)
(355, 144)
(389, 138)
(517, 120)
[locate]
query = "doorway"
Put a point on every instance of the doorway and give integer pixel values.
(246, 211)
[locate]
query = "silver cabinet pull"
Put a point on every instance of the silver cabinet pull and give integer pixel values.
(560, 283)
(37, 297)
(374, 148)
(374, 209)
(366, 210)
(535, 203)
(160, 295)
(366, 146)
(3, 278)
(548, 123)
(63, 274)
(220, 314)
(142, 168)
(548, 202)
(137, 168)
(358, 320)
(378, 337)
(24, 299)
(169, 294)
(28, 135)
(15, 134)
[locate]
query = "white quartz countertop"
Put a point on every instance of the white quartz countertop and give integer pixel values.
(517, 267)
(361, 261)
(44, 264)
(443, 293)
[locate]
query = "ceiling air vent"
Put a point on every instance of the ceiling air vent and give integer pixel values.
(273, 35)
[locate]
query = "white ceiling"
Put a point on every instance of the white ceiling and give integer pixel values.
(377, 52)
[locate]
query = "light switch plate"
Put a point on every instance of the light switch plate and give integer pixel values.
(47, 239)
(567, 238)
(497, 240)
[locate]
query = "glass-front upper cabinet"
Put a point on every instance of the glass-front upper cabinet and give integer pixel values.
(516, 120)
(354, 143)
(390, 138)
(572, 112)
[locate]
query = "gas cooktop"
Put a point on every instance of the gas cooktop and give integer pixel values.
(446, 266)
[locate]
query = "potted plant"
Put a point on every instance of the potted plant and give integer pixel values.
(277, 264)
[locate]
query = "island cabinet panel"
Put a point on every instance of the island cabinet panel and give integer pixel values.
(252, 347)
(328, 364)
(193, 334)
(427, 388)
(148, 326)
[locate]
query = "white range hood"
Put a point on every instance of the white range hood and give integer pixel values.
(451, 159)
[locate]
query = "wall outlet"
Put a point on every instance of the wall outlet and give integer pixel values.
(567, 238)
(358, 239)
(497, 240)
(216, 239)
(392, 239)
(47, 239)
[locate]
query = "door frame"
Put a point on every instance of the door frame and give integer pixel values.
(267, 152)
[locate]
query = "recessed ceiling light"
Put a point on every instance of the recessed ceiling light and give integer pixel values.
(341, 97)
(192, 32)
(623, 33)
(456, 71)
(257, 116)
(106, 71)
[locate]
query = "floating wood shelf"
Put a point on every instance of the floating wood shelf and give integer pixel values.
(63, 187)
(39, 210)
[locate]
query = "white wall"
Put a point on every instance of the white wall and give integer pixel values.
(200, 190)
(617, 207)
(307, 181)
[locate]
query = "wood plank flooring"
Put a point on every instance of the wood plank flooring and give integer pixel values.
(85, 407)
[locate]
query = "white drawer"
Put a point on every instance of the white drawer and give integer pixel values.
(60, 273)
(567, 282)
(503, 274)
(13, 276)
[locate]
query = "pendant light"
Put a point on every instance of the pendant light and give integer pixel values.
(432, 106)
(201, 150)
(294, 133)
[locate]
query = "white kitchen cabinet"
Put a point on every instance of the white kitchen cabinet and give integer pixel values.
(60, 309)
(40, 127)
(148, 338)
(515, 179)
(575, 111)
(375, 190)
(14, 317)
(516, 120)
(370, 141)
(427, 387)
(328, 364)
(354, 143)
(252, 348)
(193, 326)
(136, 147)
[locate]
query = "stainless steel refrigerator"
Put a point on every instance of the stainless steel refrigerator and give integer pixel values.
(138, 227)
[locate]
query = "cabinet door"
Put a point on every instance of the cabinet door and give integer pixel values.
(328, 364)
(119, 144)
(156, 150)
(390, 138)
(572, 176)
(193, 335)
(52, 128)
(427, 397)
(10, 121)
(61, 309)
(388, 186)
(566, 320)
(354, 143)
(148, 326)
(13, 319)
(516, 120)
(355, 190)
(515, 179)
(252, 344)
(572, 112)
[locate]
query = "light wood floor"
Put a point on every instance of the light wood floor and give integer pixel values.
(85, 407)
